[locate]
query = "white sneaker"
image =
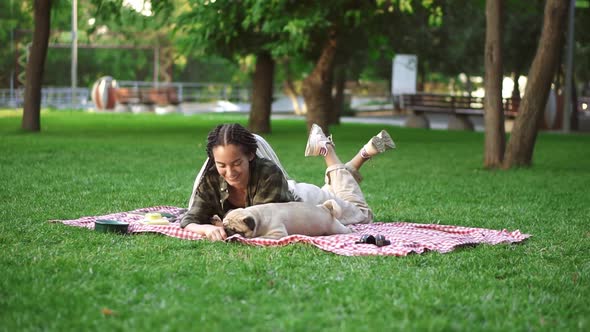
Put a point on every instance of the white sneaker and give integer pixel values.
(378, 144)
(317, 141)
(383, 142)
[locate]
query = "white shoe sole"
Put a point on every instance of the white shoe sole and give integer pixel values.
(314, 141)
(383, 142)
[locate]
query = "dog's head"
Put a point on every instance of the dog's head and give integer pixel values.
(239, 221)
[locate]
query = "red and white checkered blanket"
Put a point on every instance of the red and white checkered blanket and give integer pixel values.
(405, 237)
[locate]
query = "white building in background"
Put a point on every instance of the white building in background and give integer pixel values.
(404, 74)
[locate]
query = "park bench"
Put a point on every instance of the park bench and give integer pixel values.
(459, 109)
(141, 99)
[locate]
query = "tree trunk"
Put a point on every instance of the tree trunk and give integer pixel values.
(262, 91)
(421, 76)
(35, 66)
(317, 87)
(338, 101)
(290, 91)
(524, 133)
(495, 134)
(516, 88)
(574, 123)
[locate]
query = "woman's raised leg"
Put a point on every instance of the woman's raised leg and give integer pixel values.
(339, 181)
(377, 144)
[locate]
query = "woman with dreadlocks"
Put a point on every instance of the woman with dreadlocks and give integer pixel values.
(242, 170)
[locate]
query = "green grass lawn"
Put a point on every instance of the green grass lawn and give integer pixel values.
(61, 278)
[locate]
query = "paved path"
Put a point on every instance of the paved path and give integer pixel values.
(282, 108)
(438, 122)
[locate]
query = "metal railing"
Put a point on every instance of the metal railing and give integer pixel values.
(195, 92)
(54, 97)
(61, 97)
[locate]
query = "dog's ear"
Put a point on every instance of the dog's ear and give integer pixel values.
(333, 207)
(216, 221)
(250, 222)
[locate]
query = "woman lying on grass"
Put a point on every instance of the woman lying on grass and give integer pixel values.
(242, 170)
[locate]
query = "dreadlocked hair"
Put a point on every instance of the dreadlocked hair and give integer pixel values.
(235, 134)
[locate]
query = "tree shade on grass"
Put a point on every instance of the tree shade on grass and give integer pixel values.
(64, 278)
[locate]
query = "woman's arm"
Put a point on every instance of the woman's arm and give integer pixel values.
(205, 204)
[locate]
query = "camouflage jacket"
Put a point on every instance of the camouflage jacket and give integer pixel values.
(267, 184)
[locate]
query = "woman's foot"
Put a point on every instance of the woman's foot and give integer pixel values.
(317, 142)
(377, 144)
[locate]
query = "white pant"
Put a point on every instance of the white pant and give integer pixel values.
(340, 186)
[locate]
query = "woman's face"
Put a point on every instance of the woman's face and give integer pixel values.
(233, 165)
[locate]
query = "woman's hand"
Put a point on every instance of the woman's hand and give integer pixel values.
(213, 233)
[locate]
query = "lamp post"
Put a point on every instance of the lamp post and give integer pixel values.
(74, 68)
(569, 63)
(12, 74)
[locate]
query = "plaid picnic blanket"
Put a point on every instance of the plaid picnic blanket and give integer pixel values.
(405, 237)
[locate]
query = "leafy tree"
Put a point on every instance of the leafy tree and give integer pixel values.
(310, 30)
(582, 48)
(339, 22)
(521, 32)
(233, 30)
(494, 111)
(126, 25)
(453, 46)
(34, 77)
(123, 64)
(524, 133)
(545, 64)
(14, 17)
(460, 44)
(440, 38)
